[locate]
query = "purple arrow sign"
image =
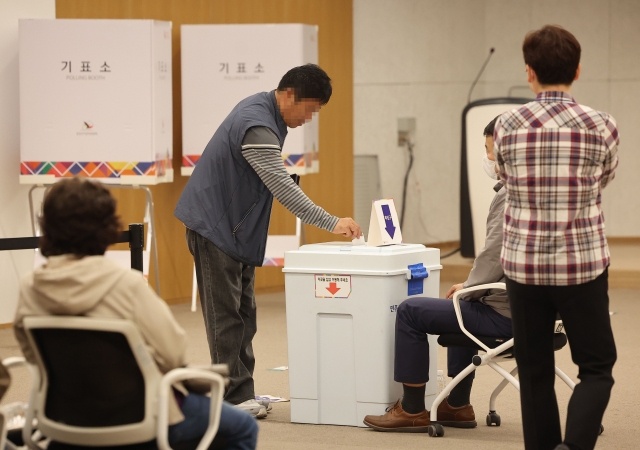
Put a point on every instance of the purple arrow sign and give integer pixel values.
(388, 220)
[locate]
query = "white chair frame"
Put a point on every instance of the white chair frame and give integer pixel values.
(491, 357)
(9, 363)
(158, 392)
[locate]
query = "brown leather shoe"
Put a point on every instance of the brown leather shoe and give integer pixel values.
(459, 417)
(396, 419)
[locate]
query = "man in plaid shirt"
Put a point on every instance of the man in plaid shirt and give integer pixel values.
(555, 156)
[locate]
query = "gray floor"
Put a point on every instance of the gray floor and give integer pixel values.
(276, 432)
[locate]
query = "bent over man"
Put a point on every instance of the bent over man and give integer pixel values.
(226, 207)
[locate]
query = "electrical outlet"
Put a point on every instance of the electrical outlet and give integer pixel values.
(406, 130)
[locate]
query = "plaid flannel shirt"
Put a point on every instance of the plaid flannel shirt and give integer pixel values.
(555, 156)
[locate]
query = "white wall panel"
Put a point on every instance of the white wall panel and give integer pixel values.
(625, 39)
(505, 23)
(433, 187)
(417, 41)
(595, 94)
(625, 207)
(588, 20)
(417, 58)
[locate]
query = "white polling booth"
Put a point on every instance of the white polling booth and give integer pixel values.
(341, 309)
(95, 101)
(223, 64)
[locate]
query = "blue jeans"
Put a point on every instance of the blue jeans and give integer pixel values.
(238, 430)
(419, 316)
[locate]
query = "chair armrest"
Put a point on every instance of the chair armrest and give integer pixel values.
(27, 431)
(222, 369)
(8, 363)
(217, 392)
(200, 386)
(456, 306)
(14, 361)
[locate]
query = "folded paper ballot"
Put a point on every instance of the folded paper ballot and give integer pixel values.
(279, 369)
(271, 398)
(359, 241)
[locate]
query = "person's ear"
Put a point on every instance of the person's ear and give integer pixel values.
(578, 70)
(291, 96)
(531, 74)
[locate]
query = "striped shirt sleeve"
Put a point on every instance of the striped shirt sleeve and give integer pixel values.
(261, 149)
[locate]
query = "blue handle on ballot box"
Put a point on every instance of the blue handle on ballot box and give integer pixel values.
(416, 283)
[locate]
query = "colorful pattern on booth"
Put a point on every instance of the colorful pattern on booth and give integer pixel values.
(190, 160)
(273, 262)
(290, 160)
(95, 169)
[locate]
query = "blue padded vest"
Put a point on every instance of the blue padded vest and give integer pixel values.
(224, 200)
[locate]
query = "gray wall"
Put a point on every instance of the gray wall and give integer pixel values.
(418, 58)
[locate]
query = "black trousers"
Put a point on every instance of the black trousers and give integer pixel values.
(584, 310)
(229, 311)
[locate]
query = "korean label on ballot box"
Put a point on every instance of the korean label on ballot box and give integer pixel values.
(333, 286)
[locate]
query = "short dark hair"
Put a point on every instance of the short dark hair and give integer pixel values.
(308, 82)
(553, 53)
(488, 130)
(79, 217)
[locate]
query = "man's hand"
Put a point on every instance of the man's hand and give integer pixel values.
(455, 288)
(348, 228)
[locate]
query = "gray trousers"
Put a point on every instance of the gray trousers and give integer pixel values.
(229, 310)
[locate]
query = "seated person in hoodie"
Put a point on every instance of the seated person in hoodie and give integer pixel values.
(485, 313)
(78, 224)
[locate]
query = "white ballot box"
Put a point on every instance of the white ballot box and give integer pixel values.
(95, 101)
(341, 312)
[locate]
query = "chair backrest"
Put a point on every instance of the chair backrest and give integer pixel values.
(99, 384)
(5, 379)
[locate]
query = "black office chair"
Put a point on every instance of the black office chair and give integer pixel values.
(99, 386)
(495, 350)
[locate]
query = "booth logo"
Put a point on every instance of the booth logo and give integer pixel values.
(87, 128)
(241, 71)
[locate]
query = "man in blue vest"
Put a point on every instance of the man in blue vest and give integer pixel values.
(226, 207)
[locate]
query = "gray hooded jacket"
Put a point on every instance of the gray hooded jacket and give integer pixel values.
(487, 267)
(95, 286)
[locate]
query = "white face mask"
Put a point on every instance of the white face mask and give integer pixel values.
(489, 167)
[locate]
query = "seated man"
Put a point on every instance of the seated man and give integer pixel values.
(484, 312)
(78, 224)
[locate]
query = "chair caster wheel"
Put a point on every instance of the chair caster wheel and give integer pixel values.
(601, 430)
(493, 418)
(436, 430)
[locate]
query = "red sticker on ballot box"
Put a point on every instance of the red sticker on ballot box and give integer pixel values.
(333, 286)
